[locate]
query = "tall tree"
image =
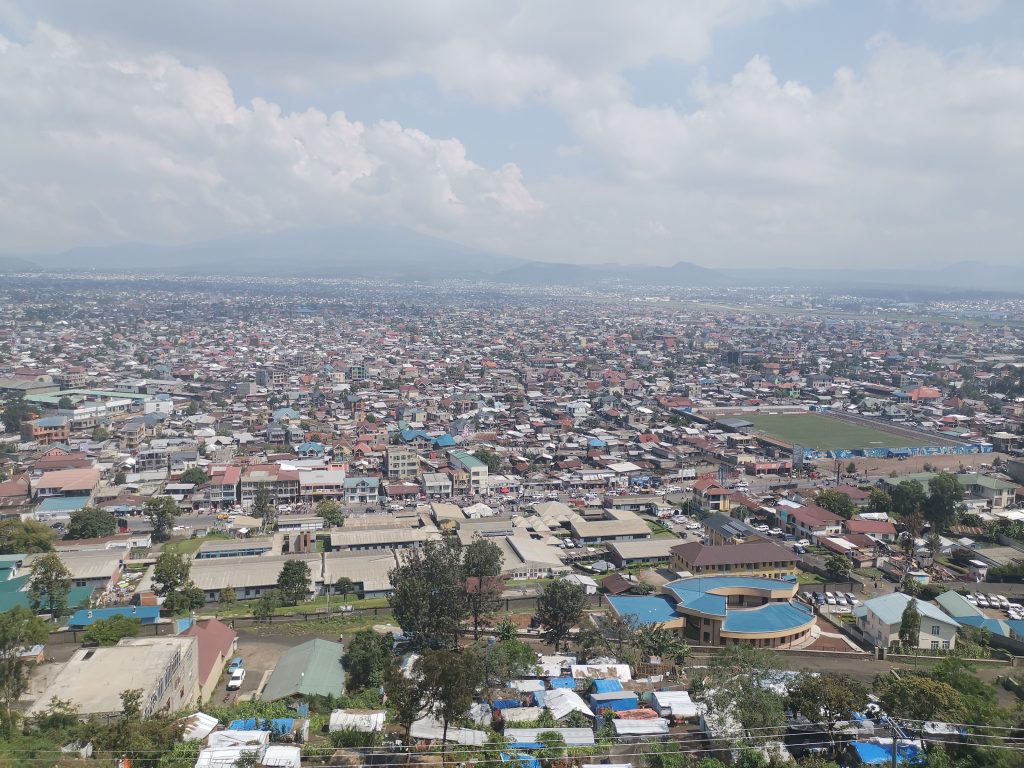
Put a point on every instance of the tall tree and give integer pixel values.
(50, 585)
(559, 609)
(331, 512)
(915, 697)
(294, 581)
(344, 586)
(263, 507)
(162, 513)
(25, 537)
(170, 573)
(879, 500)
(827, 698)
(91, 523)
(404, 695)
(367, 659)
(835, 501)
(945, 497)
(908, 496)
(18, 629)
(910, 625)
(450, 681)
(112, 630)
(428, 596)
(736, 684)
(482, 562)
(268, 602)
(838, 567)
(195, 476)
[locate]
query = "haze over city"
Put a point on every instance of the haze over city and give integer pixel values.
(760, 133)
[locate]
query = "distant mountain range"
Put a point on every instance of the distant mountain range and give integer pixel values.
(401, 254)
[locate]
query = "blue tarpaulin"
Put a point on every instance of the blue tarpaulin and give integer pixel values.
(526, 761)
(563, 682)
(607, 686)
(506, 704)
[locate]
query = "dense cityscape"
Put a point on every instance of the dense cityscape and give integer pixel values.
(354, 522)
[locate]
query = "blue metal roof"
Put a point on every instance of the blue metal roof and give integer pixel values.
(772, 617)
(147, 614)
(648, 609)
(607, 686)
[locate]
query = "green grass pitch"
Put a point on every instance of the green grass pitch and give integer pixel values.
(812, 430)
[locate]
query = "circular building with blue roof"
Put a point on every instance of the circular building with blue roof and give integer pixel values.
(725, 610)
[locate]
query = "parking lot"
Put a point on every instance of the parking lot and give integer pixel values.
(260, 656)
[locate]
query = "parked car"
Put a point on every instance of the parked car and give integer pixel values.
(830, 598)
(800, 550)
(804, 543)
(236, 663)
(851, 599)
(236, 679)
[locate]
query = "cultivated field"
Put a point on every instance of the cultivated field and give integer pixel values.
(813, 430)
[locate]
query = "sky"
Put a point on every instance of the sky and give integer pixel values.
(724, 132)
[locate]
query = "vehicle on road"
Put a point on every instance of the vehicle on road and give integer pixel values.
(236, 679)
(236, 663)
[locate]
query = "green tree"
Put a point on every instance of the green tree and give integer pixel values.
(907, 497)
(193, 408)
(827, 698)
(227, 597)
(162, 513)
(945, 497)
(170, 573)
(99, 434)
(508, 659)
(910, 625)
(91, 523)
(263, 507)
(915, 697)
(267, 603)
(490, 458)
(879, 500)
(450, 682)
(110, 631)
(560, 608)
(483, 585)
(195, 476)
(65, 403)
(294, 581)
(16, 411)
(836, 502)
(331, 512)
(344, 586)
(19, 629)
(838, 567)
(25, 537)
(405, 697)
(428, 595)
(367, 659)
(120, 478)
(552, 750)
(737, 684)
(50, 586)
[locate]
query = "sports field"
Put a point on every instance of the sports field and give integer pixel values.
(812, 430)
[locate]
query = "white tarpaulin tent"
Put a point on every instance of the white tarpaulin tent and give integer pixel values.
(362, 721)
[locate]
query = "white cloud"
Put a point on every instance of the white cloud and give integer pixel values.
(95, 145)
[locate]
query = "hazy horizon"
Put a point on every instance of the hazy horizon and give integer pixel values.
(743, 133)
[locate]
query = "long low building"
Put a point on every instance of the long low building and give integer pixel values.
(382, 538)
(526, 558)
(250, 577)
(655, 551)
(759, 557)
(725, 610)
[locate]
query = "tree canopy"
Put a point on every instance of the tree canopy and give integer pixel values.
(111, 630)
(162, 513)
(50, 585)
(428, 597)
(25, 537)
(366, 660)
(294, 581)
(560, 608)
(195, 476)
(827, 698)
(483, 587)
(836, 502)
(91, 523)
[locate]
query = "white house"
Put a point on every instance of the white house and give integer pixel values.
(588, 585)
(879, 621)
